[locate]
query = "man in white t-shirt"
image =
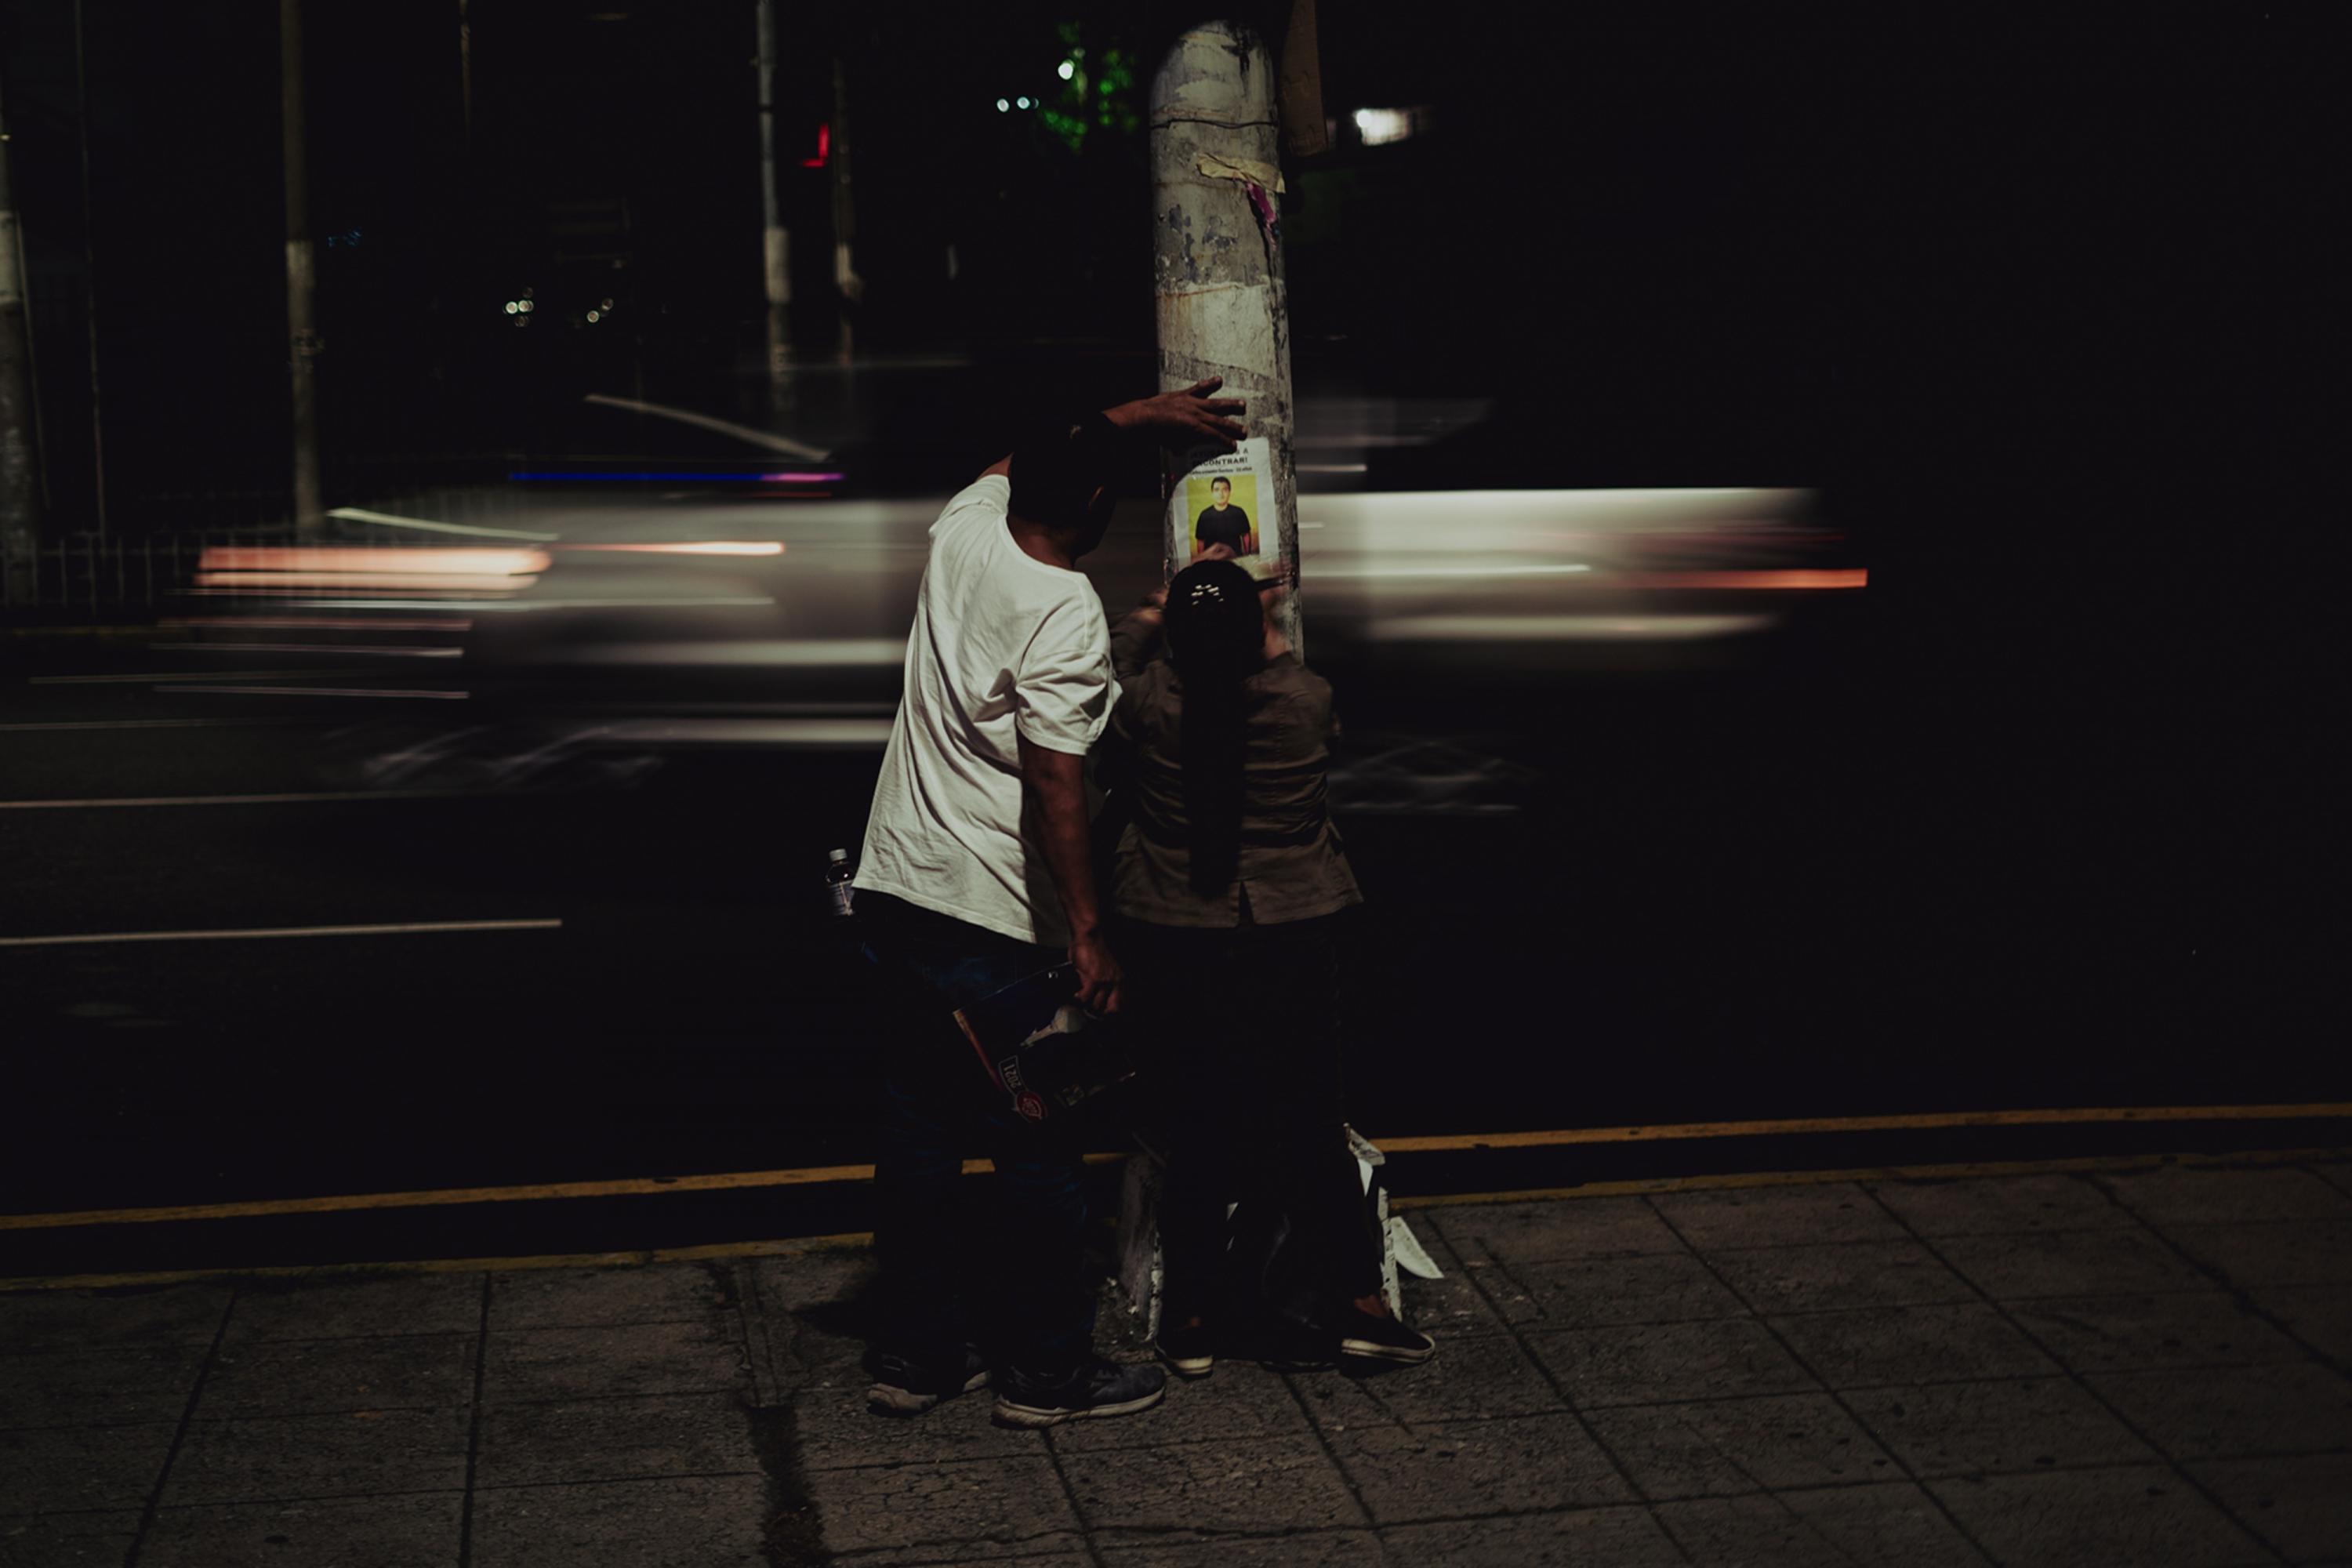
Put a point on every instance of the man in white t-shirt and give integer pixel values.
(975, 873)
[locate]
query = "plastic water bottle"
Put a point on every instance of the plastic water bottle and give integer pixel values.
(837, 874)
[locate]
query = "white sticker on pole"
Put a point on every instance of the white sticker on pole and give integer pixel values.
(1227, 501)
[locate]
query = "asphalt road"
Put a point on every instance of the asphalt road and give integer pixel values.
(1766, 892)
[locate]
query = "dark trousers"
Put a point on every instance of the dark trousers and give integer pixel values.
(1245, 1025)
(1016, 1284)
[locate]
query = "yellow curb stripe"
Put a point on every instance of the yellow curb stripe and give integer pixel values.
(1923, 1121)
(818, 1175)
(798, 1245)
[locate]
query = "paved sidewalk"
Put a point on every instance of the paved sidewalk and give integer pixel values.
(2138, 1367)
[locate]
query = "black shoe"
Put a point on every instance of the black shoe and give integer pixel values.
(1280, 1345)
(1369, 1338)
(1188, 1353)
(1096, 1388)
(903, 1387)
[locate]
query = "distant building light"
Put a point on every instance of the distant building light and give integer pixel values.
(593, 316)
(1003, 104)
(1378, 127)
(607, 305)
(1020, 104)
(528, 306)
(512, 307)
(1066, 70)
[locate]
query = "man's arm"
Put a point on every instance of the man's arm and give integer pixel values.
(1055, 784)
(1188, 417)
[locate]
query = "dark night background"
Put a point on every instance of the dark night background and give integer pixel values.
(2039, 301)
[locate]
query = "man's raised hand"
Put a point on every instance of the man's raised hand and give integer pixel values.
(1184, 418)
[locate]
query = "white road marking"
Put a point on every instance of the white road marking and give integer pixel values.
(287, 798)
(360, 514)
(387, 650)
(144, 724)
(176, 674)
(405, 929)
(766, 438)
(316, 691)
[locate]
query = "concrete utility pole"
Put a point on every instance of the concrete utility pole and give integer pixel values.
(301, 274)
(1217, 247)
(20, 477)
(778, 239)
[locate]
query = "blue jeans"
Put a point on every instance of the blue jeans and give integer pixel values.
(1016, 1285)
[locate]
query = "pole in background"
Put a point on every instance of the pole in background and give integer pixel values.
(1217, 249)
(847, 284)
(20, 447)
(301, 274)
(89, 275)
(778, 238)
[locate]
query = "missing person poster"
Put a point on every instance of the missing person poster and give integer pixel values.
(1227, 501)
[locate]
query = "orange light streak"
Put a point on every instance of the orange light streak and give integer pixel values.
(477, 581)
(460, 562)
(703, 547)
(1783, 578)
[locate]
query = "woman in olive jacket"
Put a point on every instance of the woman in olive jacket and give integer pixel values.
(1231, 891)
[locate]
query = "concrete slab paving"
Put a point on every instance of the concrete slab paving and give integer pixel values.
(698, 1522)
(1322, 1549)
(2020, 1267)
(601, 1297)
(354, 1306)
(1662, 1289)
(698, 1356)
(837, 1431)
(408, 1531)
(905, 1507)
(1839, 1274)
(1879, 1347)
(1620, 1537)
(636, 1438)
(1056, 1548)
(321, 1377)
(1997, 1206)
(1724, 1447)
(2122, 1333)
(2229, 1412)
(123, 1318)
(68, 1539)
(279, 1458)
(87, 1388)
(2296, 1505)
(1512, 1465)
(1895, 1525)
(2092, 1519)
(1599, 1395)
(2274, 1253)
(2177, 1194)
(2319, 1316)
(71, 1469)
(1777, 1216)
(1551, 1233)
(2015, 1425)
(1260, 1486)
(1481, 1375)
(1657, 1363)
